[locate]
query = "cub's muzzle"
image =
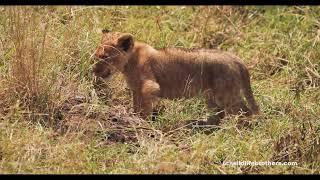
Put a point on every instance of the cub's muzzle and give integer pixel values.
(101, 69)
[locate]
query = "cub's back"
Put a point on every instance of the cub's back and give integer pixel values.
(176, 68)
(196, 55)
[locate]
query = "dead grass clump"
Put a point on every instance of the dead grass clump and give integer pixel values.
(27, 31)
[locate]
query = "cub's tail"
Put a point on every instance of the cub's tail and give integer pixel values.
(247, 91)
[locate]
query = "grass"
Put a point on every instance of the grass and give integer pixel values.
(53, 119)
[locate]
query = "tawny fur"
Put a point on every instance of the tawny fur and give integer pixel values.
(175, 73)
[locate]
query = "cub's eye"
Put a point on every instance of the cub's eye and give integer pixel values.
(105, 56)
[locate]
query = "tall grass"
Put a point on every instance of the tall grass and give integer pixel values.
(26, 37)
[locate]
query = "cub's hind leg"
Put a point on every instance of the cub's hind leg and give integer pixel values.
(216, 110)
(233, 103)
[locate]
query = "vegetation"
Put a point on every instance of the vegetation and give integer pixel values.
(54, 119)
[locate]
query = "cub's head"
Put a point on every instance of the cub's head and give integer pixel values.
(112, 53)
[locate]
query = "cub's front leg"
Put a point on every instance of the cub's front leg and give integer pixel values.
(146, 98)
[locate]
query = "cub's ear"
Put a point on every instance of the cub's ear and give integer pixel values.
(125, 42)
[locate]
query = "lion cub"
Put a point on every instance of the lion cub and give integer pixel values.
(175, 73)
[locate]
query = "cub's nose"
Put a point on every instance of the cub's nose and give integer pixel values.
(100, 70)
(98, 67)
(95, 68)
